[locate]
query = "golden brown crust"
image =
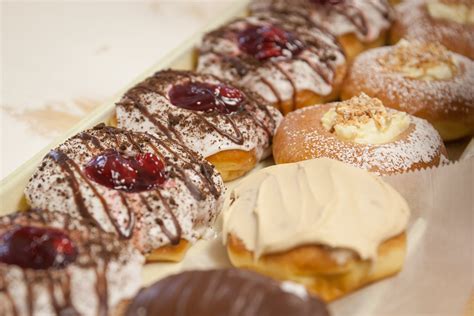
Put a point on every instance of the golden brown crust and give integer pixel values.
(414, 21)
(315, 266)
(232, 164)
(173, 253)
(446, 104)
(353, 46)
(306, 98)
(301, 136)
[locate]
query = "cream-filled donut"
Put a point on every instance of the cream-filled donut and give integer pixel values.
(52, 264)
(230, 126)
(423, 79)
(357, 24)
(320, 222)
(146, 188)
(286, 59)
(361, 132)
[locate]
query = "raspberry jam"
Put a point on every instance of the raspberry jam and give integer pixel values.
(200, 96)
(268, 41)
(130, 174)
(37, 248)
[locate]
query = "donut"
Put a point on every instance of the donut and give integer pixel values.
(361, 132)
(286, 59)
(357, 24)
(224, 292)
(231, 127)
(325, 224)
(449, 22)
(142, 187)
(425, 80)
(52, 264)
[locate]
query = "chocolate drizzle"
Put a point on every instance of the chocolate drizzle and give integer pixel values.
(96, 250)
(315, 40)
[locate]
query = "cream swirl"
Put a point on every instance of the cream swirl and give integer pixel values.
(319, 201)
(462, 13)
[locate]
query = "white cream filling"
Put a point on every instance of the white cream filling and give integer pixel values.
(459, 13)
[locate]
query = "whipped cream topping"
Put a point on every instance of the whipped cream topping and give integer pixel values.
(254, 126)
(423, 61)
(183, 207)
(367, 19)
(314, 69)
(460, 12)
(365, 120)
(105, 272)
(319, 201)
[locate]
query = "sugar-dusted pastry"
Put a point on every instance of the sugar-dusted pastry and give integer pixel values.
(361, 132)
(52, 264)
(322, 223)
(231, 127)
(288, 60)
(146, 188)
(357, 24)
(449, 22)
(232, 292)
(423, 79)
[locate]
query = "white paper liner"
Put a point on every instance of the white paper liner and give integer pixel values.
(437, 278)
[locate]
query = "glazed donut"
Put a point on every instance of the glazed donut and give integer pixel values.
(325, 224)
(284, 58)
(229, 126)
(224, 292)
(146, 188)
(52, 264)
(425, 80)
(449, 22)
(360, 132)
(357, 24)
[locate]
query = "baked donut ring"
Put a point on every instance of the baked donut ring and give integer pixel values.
(52, 264)
(149, 189)
(231, 127)
(224, 292)
(449, 22)
(286, 59)
(425, 80)
(327, 225)
(360, 132)
(357, 24)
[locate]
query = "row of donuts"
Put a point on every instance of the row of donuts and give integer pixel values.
(147, 183)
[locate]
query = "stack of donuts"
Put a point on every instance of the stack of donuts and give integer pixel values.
(314, 83)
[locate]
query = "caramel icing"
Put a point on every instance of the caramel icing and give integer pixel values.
(319, 201)
(365, 120)
(462, 13)
(424, 61)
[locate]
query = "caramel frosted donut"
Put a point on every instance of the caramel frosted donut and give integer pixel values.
(284, 58)
(51, 264)
(425, 80)
(231, 292)
(450, 22)
(357, 24)
(231, 127)
(360, 132)
(141, 187)
(322, 223)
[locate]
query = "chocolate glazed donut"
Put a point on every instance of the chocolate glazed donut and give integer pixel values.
(224, 292)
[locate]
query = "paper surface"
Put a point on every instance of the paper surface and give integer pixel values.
(437, 277)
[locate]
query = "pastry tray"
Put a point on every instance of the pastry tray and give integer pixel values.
(203, 254)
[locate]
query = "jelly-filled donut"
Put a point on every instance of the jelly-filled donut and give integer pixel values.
(286, 59)
(52, 264)
(142, 187)
(230, 126)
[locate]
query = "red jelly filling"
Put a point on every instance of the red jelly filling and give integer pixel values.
(37, 248)
(130, 174)
(200, 96)
(265, 41)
